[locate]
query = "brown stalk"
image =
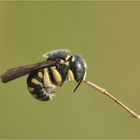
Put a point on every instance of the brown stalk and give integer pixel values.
(105, 92)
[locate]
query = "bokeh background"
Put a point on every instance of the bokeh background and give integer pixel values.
(106, 34)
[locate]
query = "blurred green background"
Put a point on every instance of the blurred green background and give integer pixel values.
(106, 34)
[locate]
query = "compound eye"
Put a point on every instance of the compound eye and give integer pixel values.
(79, 72)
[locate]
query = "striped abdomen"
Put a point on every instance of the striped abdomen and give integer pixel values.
(43, 82)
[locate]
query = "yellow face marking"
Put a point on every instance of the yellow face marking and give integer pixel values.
(40, 74)
(67, 57)
(70, 76)
(73, 59)
(57, 76)
(35, 81)
(31, 89)
(47, 81)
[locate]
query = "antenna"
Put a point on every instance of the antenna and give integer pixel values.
(77, 85)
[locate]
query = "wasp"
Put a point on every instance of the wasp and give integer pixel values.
(57, 68)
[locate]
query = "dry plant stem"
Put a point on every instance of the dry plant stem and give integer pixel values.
(102, 90)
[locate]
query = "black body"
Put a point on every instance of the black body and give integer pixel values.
(58, 67)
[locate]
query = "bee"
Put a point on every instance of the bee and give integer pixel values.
(58, 67)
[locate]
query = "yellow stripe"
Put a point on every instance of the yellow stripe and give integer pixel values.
(40, 74)
(66, 63)
(67, 57)
(47, 81)
(73, 59)
(70, 76)
(35, 81)
(57, 76)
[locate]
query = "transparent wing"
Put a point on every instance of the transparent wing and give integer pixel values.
(17, 72)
